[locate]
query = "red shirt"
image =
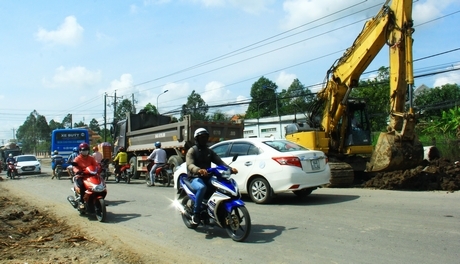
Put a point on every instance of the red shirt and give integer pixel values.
(83, 162)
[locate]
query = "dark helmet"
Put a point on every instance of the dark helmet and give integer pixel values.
(83, 146)
(75, 149)
(200, 131)
(55, 152)
(121, 149)
(158, 144)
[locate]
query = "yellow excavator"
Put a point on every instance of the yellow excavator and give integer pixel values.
(344, 132)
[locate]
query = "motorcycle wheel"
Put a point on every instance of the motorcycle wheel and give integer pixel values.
(117, 178)
(58, 173)
(127, 178)
(8, 174)
(238, 223)
(188, 204)
(100, 210)
(165, 178)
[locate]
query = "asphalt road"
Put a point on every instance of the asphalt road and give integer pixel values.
(330, 226)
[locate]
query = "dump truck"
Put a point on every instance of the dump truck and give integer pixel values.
(139, 132)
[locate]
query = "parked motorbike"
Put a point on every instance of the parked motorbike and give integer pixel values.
(224, 207)
(105, 172)
(58, 171)
(11, 170)
(94, 196)
(124, 174)
(163, 174)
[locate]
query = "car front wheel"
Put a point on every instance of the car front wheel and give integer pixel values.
(260, 191)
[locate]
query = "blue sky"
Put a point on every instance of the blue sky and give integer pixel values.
(60, 57)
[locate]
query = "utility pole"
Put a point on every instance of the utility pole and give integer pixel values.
(134, 103)
(114, 110)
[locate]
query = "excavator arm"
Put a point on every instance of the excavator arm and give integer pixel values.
(398, 148)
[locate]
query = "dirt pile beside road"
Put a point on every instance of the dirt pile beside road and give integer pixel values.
(440, 174)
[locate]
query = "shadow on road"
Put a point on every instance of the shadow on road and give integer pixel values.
(118, 218)
(312, 199)
(259, 233)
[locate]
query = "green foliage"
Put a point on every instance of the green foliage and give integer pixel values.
(196, 107)
(432, 102)
(80, 124)
(94, 125)
(67, 121)
(150, 109)
(264, 99)
(296, 99)
(218, 116)
(34, 134)
(448, 125)
(123, 108)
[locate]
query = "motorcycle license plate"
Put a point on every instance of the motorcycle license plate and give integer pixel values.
(315, 165)
(169, 171)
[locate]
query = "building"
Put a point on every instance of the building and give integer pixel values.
(267, 127)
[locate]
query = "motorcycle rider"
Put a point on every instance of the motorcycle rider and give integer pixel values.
(120, 159)
(83, 160)
(159, 157)
(10, 159)
(56, 159)
(71, 157)
(198, 159)
(97, 155)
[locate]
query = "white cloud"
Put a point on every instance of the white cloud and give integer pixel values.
(448, 78)
(125, 82)
(252, 6)
(68, 33)
(284, 80)
(76, 77)
(428, 10)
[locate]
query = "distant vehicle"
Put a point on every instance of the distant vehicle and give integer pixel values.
(267, 167)
(27, 164)
(64, 140)
(5, 151)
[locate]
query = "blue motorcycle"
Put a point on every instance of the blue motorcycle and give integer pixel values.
(224, 207)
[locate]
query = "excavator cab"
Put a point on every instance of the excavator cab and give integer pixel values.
(358, 129)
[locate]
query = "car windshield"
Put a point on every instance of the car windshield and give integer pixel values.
(284, 145)
(26, 158)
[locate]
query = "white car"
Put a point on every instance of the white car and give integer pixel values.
(270, 166)
(28, 164)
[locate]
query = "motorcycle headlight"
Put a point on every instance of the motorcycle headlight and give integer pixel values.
(99, 188)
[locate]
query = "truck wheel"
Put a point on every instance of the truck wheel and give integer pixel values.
(174, 162)
(132, 164)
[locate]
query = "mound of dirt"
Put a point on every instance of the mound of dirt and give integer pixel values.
(440, 174)
(31, 235)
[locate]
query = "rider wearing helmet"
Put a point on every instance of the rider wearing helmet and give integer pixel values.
(83, 160)
(70, 159)
(10, 159)
(198, 159)
(97, 155)
(159, 157)
(56, 159)
(120, 159)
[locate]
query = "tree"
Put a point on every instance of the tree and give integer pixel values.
(296, 98)
(123, 108)
(80, 124)
(196, 107)
(218, 116)
(54, 125)
(432, 102)
(94, 125)
(34, 134)
(67, 121)
(264, 99)
(151, 109)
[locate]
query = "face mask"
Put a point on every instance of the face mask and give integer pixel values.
(84, 152)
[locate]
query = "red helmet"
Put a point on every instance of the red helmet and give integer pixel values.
(83, 146)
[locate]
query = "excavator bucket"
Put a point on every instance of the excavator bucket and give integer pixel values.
(392, 154)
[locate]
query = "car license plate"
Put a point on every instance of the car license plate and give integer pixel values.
(315, 165)
(28, 169)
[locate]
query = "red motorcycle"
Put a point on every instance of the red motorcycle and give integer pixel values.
(11, 170)
(94, 196)
(124, 173)
(163, 174)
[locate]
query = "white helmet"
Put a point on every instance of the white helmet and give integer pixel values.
(200, 131)
(10, 155)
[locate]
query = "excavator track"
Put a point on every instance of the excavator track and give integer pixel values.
(342, 175)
